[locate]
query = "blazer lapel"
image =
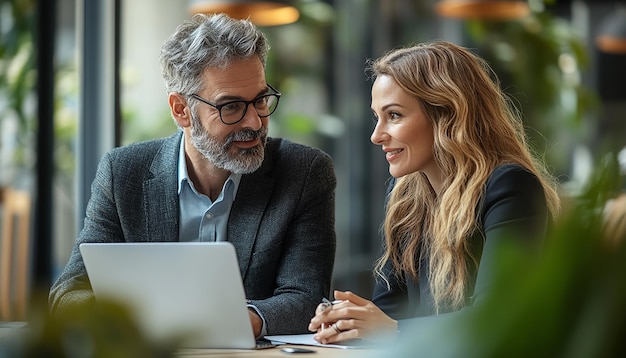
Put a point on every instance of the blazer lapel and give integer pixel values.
(160, 193)
(248, 209)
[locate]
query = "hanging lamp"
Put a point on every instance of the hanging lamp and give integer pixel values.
(611, 36)
(261, 13)
(483, 9)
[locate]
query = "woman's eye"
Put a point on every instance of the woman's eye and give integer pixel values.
(394, 115)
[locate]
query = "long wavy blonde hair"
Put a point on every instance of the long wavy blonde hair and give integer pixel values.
(476, 128)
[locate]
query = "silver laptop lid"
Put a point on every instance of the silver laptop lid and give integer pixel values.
(189, 289)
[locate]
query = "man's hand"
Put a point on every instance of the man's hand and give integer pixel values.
(257, 323)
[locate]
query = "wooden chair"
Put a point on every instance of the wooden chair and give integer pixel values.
(15, 243)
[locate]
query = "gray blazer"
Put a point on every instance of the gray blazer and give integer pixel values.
(281, 224)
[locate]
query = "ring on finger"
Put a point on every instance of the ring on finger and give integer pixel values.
(336, 328)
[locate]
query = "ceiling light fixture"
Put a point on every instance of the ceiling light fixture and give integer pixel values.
(261, 13)
(483, 9)
(611, 36)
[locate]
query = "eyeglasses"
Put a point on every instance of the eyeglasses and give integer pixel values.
(234, 111)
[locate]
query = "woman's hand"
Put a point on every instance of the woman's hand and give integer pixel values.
(354, 317)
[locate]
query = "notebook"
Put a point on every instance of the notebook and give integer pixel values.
(190, 290)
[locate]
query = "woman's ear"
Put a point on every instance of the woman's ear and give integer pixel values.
(180, 109)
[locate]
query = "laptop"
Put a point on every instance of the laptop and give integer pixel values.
(175, 289)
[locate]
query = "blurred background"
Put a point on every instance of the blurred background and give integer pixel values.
(78, 77)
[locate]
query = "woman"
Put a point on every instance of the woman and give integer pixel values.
(464, 184)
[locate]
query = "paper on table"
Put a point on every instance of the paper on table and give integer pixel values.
(307, 339)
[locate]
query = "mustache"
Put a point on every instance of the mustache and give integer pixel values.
(246, 135)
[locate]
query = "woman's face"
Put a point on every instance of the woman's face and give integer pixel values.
(403, 130)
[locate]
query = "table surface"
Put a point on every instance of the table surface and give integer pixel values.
(326, 352)
(8, 330)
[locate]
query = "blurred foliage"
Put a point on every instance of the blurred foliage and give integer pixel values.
(102, 330)
(17, 58)
(298, 66)
(540, 60)
(17, 70)
(135, 129)
(65, 120)
(18, 77)
(568, 302)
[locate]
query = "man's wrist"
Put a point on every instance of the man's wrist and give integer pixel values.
(259, 326)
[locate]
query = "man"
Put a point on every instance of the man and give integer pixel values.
(220, 179)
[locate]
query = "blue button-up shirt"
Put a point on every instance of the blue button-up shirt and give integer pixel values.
(200, 218)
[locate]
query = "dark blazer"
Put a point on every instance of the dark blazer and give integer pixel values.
(513, 208)
(281, 224)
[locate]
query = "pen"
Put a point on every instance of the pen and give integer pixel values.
(326, 304)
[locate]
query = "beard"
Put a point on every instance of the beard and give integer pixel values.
(242, 161)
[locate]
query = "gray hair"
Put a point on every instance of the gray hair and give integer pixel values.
(207, 41)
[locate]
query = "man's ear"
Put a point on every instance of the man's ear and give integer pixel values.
(180, 109)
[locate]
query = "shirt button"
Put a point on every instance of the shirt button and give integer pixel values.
(208, 216)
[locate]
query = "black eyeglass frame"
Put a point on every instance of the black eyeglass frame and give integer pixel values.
(219, 107)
